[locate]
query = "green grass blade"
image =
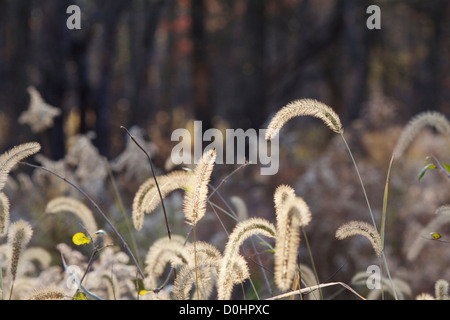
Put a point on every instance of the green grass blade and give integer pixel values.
(425, 169)
(385, 198)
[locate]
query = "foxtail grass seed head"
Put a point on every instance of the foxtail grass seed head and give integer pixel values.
(19, 236)
(240, 233)
(76, 207)
(206, 269)
(425, 296)
(48, 294)
(241, 207)
(204, 250)
(241, 271)
(203, 272)
(304, 107)
(4, 214)
(10, 158)
(293, 214)
(147, 197)
(197, 191)
(162, 252)
(441, 289)
(353, 228)
(427, 118)
(281, 194)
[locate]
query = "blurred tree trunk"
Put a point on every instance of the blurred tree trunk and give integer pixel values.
(143, 21)
(101, 102)
(314, 42)
(168, 69)
(53, 50)
(15, 58)
(426, 83)
(356, 41)
(254, 81)
(203, 109)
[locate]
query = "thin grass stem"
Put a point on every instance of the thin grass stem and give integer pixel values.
(370, 209)
(312, 261)
(123, 211)
(313, 288)
(195, 263)
(154, 177)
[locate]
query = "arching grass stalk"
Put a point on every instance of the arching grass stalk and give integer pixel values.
(154, 177)
(370, 210)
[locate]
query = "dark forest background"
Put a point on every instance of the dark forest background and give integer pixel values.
(224, 62)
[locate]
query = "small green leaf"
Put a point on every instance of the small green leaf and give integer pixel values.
(427, 167)
(447, 167)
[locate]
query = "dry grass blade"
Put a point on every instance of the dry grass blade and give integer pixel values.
(313, 288)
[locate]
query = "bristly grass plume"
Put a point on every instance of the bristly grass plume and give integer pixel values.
(240, 233)
(197, 189)
(19, 235)
(4, 214)
(161, 252)
(11, 157)
(428, 118)
(147, 197)
(48, 294)
(304, 107)
(67, 204)
(362, 228)
(292, 213)
(441, 289)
